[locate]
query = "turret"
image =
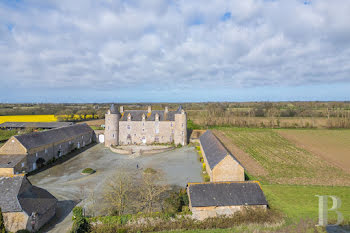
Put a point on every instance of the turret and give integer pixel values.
(112, 118)
(180, 133)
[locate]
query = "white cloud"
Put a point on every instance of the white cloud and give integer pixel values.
(183, 43)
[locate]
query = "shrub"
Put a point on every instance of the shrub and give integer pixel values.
(2, 224)
(179, 145)
(80, 224)
(206, 177)
(88, 171)
(150, 171)
(203, 167)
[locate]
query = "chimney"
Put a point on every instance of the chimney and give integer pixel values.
(121, 109)
(149, 109)
(166, 109)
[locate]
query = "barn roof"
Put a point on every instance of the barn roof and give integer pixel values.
(37, 139)
(213, 149)
(10, 161)
(39, 125)
(226, 194)
(18, 194)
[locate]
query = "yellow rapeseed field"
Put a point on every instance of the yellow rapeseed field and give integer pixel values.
(28, 118)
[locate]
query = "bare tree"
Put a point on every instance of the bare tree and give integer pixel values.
(152, 188)
(117, 193)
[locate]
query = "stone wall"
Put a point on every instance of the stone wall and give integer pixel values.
(201, 213)
(180, 135)
(111, 129)
(58, 149)
(228, 170)
(13, 146)
(148, 132)
(15, 221)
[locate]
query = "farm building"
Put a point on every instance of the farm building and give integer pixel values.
(220, 164)
(213, 199)
(23, 205)
(34, 125)
(41, 147)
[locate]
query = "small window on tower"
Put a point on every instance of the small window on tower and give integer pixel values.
(128, 126)
(113, 136)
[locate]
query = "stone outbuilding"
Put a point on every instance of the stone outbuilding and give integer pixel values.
(23, 205)
(213, 199)
(41, 147)
(220, 164)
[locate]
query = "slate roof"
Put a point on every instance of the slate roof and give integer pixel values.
(39, 125)
(226, 194)
(37, 139)
(18, 194)
(213, 149)
(114, 109)
(10, 161)
(136, 115)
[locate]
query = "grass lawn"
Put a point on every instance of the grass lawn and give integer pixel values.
(6, 134)
(300, 201)
(285, 162)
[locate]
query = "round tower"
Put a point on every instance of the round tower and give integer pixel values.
(112, 118)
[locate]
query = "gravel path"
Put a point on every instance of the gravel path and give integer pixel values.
(66, 183)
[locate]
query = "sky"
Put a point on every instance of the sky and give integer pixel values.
(174, 50)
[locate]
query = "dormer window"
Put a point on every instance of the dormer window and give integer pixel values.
(129, 117)
(157, 117)
(143, 117)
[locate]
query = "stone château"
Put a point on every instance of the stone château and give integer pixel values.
(145, 126)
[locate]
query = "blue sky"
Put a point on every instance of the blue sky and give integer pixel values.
(174, 50)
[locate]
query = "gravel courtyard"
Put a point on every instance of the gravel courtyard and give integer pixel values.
(66, 183)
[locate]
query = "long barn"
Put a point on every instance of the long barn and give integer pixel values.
(220, 164)
(40, 147)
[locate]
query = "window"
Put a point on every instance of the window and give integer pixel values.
(45, 151)
(182, 125)
(36, 154)
(82, 137)
(60, 146)
(70, 142)
(157, 129)
(113, 136)
(172, 131)
(171, 124)
(129, 127)
(22, 164)
(143, 124)
(108, 127)
(182, 133)
(143, 130)
(156, 139)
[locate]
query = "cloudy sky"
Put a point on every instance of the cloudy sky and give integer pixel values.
(174, 50)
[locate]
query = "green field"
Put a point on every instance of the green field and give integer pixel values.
(6, 134)
(283, 160)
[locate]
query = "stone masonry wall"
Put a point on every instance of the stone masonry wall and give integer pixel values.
(228, 170)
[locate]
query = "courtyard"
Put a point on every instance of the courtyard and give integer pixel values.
(66, 183)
